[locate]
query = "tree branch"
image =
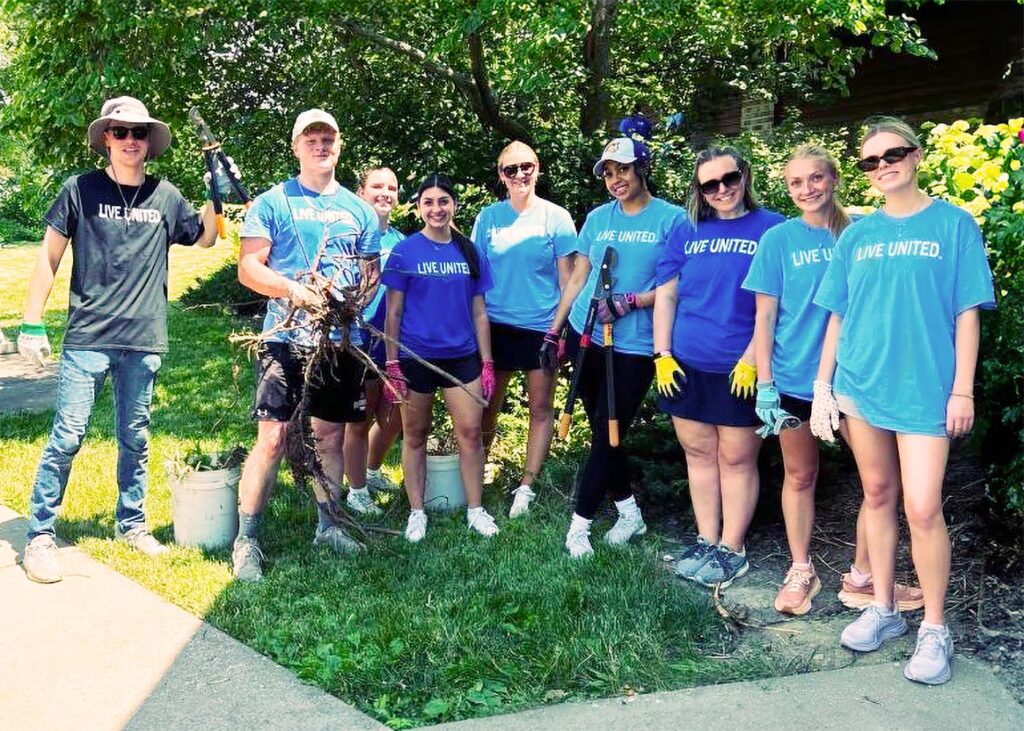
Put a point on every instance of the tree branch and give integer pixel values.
(486, 106)
(595, 56)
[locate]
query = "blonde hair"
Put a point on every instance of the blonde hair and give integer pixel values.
(696, 205)
(364, 175)
(837, 218)
(512, 146)
(894, 125)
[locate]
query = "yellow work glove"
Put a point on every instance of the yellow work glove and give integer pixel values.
(669, 375)
(743, 379)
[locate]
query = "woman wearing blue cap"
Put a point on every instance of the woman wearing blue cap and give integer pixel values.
(637, 225)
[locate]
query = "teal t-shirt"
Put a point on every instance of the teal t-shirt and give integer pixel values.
(789, 265)
(899, 284)
(523, 250)
(638, 240)
(376, 312)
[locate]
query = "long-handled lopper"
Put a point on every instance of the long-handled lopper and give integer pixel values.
(214, 155)
(605, 279)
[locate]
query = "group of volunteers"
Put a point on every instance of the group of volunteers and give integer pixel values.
(749, 324)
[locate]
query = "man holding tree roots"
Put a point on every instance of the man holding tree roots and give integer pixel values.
(120, 223)
(308, 221)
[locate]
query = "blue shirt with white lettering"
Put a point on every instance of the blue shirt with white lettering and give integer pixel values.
(638, 240)
(714, 318)
(298, 222)
(437, 313)
(899, 285)
(523, 250)
(789, 265)
(376, 312)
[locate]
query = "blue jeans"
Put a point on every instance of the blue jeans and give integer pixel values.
(81, 376)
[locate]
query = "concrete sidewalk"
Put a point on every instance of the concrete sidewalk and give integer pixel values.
(97, 651)
(25, 387)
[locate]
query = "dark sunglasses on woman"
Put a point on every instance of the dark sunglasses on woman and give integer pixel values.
(121, 133)
(892, 155)
(729, 180)
(510, 171)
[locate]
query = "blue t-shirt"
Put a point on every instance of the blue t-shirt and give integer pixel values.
(789, 265)
(297, 221)
(638, 240)
(899, 284)
(714, 316)
(523, 250)
(437, 314)
(376, 312)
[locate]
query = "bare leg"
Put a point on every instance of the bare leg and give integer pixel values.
(466, 417)
(354, 449)
(386, 427)
(489, 423)
(737, 467)
(923, 462)
(700, 443)
(260, 471)
(540, 388)
(415, 424)
(800, 458)
(329, 439)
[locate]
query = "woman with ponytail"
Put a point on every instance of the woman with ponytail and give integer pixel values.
(788, 333)
(637, 225)
(436, 282)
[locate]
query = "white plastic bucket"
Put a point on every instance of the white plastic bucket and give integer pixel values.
(444, 483)
(204, 506)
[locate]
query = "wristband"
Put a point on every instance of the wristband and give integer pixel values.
(28, 329)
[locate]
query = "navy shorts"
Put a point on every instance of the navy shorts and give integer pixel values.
(515, 348)
(705, 397)
(796, 406)
(335, 386)
(423, 380)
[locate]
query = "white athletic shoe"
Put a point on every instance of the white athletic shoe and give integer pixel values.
(627, 526)
(578, 543)
(521, 502)
(335, 538)
(362, 503)
(416, 528)
(930, 663)
(872, 628)
(482, 522)
(41, 560)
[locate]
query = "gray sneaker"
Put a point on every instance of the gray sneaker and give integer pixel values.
(724, 567)
(41, 560)
(379, 482)
(362, 503)
(874, 626)
(247, 559)
(930, 663)
(142, 541)
(335, 538)
(694, 558)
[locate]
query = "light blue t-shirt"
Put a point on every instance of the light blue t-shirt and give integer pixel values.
(437, 313)
(297, 221)
(789, 265)
(376, 312)
(714, 316)
(899, 284)
(638, 240)
(523, 250)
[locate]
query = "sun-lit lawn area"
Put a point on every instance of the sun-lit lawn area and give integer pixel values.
(455, 627)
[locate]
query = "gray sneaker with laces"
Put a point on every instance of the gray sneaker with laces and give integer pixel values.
(142, 541)
(335, 538)
(247, 559)
(930, 663)
(694, 558)
(722, 568)
(362, 503)
(41, 560)
(873, 627)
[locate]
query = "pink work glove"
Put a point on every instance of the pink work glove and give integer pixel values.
(488, 382)
(395, 388)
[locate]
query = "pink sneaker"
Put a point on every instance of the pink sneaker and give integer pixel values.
(908, 598)
(798, 589)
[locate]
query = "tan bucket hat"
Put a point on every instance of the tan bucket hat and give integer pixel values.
(131, 110)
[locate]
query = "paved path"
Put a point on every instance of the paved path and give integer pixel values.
(24, 387)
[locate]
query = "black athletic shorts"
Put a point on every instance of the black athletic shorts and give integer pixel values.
(336, 385)
(796, 406)
(423, 380)
(515, 348)
(705, 397)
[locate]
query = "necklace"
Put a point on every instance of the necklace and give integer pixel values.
(309, 201)
(127, 207)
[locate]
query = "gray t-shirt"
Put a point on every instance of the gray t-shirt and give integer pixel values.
(119, 277)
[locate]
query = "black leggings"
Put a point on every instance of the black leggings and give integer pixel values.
(607, 468)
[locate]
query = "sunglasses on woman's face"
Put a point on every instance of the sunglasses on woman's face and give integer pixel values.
(510, 171)
(121, 133)
(729, 180)
(891, 156)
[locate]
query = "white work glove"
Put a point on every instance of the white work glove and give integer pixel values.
(824, 412)
(33, 345)
(304, 296)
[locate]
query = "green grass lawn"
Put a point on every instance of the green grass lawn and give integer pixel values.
(455, 627)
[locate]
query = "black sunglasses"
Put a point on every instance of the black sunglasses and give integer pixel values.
(121, 133)
(710, 187)
(892, 155)
(510, 171)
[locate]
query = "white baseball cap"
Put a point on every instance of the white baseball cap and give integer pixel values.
(623, 150)
(311, 117)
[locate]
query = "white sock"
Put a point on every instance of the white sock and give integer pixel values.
(414, 511)
(741, 552)
(372, 473)
(526, 487)
(627, 507)
(887, 610)
(359, 491)
(473, 512)
(579, 524)
(929, 625)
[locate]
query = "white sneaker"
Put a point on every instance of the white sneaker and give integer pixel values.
(627, 526)
(41, 560)
(377, 481)
(578, 543)
(482, 522)
(362, 503)
(142, 540)
(247, 560)
(521, 503)
(335, 538)
(416, 528)
(874, 626)
(930, 663)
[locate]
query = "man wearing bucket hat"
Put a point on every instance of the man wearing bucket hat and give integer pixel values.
(120, 223)
(309, 220)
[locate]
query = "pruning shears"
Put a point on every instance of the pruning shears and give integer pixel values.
(213, 153)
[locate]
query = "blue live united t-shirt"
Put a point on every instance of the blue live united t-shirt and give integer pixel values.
(437, 312)
(899, 284)
(714, 318)
(638, 240)
(523, 250)
(789, 265)
(298, 222)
